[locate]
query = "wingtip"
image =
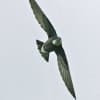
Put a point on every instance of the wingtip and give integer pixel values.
(75, 97)
(73, 94)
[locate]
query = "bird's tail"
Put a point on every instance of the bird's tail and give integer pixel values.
(44, 55)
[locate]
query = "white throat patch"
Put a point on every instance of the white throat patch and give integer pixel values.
(57, 42)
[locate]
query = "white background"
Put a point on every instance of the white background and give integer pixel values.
(24, 75)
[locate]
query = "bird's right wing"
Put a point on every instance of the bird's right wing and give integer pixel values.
(64, 70)
(42, 19)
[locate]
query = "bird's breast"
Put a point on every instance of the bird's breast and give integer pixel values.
(48, 46)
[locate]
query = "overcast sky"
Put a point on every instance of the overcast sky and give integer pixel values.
(24, 75)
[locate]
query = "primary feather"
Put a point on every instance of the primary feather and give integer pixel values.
(64, 70)
(42, 19)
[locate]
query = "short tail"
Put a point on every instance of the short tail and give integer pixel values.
(44, 55)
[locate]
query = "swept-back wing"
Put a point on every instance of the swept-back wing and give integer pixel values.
(42, 19)
(64, 70)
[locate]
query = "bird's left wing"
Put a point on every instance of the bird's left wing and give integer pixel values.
(42, 19)
(64, 70)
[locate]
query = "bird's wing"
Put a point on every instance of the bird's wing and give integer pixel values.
(64, 70)
(42, 19)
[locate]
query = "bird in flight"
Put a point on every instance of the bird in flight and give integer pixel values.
(53, 44)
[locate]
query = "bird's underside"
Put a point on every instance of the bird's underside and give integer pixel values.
(53, 44)
(49, 46)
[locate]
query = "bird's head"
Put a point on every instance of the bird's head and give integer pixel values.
(57, 41)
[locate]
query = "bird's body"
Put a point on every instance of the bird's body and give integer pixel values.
(53, 44)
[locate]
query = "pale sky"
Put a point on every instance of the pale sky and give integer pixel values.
(24, 75)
